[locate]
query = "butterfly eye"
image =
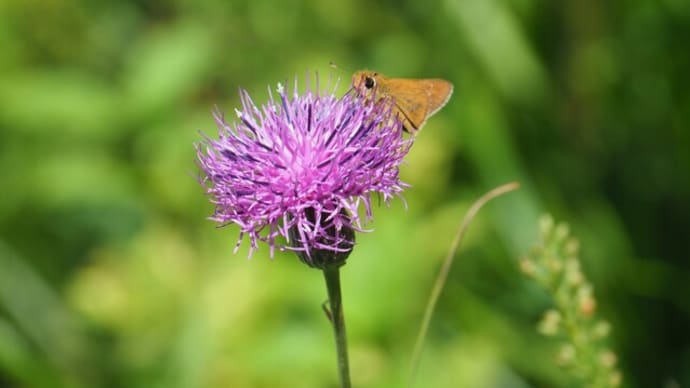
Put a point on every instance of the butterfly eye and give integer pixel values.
(369, 82)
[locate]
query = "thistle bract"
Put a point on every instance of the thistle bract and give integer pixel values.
(295, 172)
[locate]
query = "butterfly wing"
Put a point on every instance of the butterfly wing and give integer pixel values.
(417, 100)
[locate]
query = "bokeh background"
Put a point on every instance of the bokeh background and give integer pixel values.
(111, 276)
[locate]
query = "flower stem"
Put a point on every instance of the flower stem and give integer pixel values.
(332, 275)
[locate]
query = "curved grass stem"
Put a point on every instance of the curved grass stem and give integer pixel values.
(445, 269)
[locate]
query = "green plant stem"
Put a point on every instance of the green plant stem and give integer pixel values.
(332, 275)
(445, 269)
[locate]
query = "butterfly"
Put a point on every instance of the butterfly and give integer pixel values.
(415, 99)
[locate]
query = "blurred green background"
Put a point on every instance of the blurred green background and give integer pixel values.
(111, 276)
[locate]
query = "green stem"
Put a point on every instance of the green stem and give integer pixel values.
(440, 281)
(332, 275)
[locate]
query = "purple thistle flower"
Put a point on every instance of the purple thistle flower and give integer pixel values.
(301, 167)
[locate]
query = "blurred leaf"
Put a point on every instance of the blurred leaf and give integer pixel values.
(74, 177)
(166, 65)
(167, 157)
(43, 317)
(18, 359)
(498, 41)
(492, 152)
(57, 103)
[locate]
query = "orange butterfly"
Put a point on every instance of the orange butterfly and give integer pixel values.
(415, 99)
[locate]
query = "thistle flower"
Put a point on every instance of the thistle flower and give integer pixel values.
(300, 167)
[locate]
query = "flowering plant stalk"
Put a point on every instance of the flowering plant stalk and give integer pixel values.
(555, 265)
(295, 173)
